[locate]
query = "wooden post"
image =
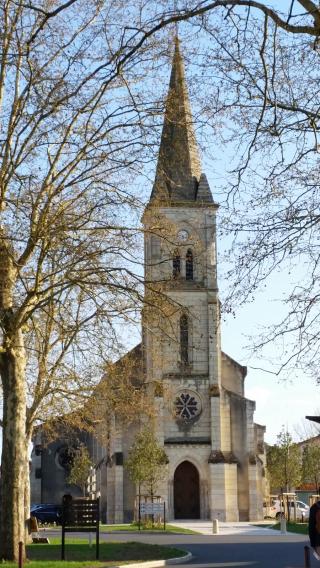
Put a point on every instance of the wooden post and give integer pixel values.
(139, 505)
(307, 557)
(62, 541)
(97, 533)
(20, 554)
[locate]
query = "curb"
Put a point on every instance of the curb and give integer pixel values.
(157, 563)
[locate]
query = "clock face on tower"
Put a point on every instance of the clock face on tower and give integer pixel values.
(183, 235)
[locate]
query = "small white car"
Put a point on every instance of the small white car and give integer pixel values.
(275, 510)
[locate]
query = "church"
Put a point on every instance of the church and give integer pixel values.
(215, 450)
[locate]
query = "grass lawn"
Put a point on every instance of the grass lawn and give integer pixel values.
(79, 554)
(300, 528)
(133, 527)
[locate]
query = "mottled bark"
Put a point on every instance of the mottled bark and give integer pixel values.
(14, 448)
(27, 494)
(14, 444)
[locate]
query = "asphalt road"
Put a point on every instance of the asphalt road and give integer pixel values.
(229, 551)
(234, 551)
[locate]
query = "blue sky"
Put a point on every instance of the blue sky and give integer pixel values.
(282, 400)
(279, 402)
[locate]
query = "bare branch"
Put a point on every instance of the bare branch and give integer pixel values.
(47, 17)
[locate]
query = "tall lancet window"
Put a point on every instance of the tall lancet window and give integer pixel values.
(176, 264)
(184, 339)
(189, 265)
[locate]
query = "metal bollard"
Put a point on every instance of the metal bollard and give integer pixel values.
(307, 557)
(283, 525)
(215, 526)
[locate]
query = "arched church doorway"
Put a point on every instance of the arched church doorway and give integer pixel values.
(186, 489)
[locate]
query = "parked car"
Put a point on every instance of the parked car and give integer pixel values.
(47, 513)
(269, 509)
(276, 509)
(34, 506)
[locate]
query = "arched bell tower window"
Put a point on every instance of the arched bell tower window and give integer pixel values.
(189, 265)
(184, 339)
(176, 264)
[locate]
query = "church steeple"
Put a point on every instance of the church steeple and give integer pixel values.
(179, 168)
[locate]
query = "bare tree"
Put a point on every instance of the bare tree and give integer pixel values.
(262, 91)
(72, 140)
(257, 69)
(146, 463)
(74, 129)
(67, 344)
(306, 429)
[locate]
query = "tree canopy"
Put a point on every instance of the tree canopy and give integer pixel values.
(284, 463)
(80, 468)
(311, 463)
(146, 463)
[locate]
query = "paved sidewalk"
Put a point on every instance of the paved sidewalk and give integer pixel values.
(245, 528)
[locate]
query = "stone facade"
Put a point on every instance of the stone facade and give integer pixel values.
(202, 419)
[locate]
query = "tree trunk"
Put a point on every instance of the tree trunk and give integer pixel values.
(27, 492)
(14, 463)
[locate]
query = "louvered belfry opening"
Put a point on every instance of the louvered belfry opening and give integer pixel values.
(184, 339)
(189, 265)
(176, 264)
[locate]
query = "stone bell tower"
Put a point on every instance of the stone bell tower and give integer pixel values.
(215, 451)
(182, 350)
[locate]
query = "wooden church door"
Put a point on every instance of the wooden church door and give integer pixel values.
(186, 492)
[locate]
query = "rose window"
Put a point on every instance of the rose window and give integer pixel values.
(64, 457)
(187, 406)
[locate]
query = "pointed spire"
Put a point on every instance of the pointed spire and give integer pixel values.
(204, 194)
(179, 167)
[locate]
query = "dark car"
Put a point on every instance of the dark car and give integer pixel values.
(47, 513)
